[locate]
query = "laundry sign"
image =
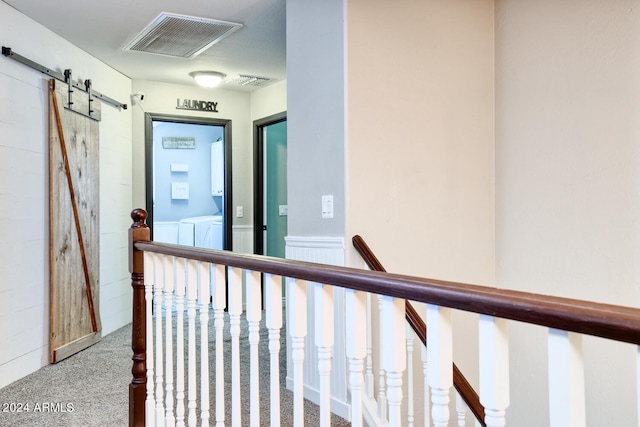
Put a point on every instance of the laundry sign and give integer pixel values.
(198, 105)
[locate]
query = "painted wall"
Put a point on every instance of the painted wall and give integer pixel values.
(567, 179)
(198, 161)
(24, 201)
(316, 115)
(419, 150)
(268, 101)
(275, 143)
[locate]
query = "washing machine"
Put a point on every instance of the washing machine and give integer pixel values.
(201, 231)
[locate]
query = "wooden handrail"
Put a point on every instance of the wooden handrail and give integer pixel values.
(460, 382)
(614, 322)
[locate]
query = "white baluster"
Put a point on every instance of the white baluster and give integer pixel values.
(394, 353)
(297, 325)
(150, 281)
(638, 384)
(204, 294)
(566, 380)
(192, 296)
(425, 401)
(382, 386)
(235, 310)
(494, 369)
(439, 361)
(368, 376)
(180, 291)
(356, 349)
(410, 391)
(168, 268)
(324, 337)
(461, 410)
(219, 304)
(254, 315)
(273, 320)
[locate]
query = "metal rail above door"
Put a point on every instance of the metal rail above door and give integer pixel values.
(66, 77)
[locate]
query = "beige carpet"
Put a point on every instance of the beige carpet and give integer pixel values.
(91, 387)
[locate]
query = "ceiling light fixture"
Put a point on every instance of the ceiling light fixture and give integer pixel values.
(207, 78)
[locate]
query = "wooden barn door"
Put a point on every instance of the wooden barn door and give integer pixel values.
(74, 227)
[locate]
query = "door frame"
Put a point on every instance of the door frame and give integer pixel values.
(148, 142)
(258, 177)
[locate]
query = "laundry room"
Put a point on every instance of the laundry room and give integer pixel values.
(188, 184)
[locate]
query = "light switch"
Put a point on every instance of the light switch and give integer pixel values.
(239, 211)
(327, 206)
(283, 210)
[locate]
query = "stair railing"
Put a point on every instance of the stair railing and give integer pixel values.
(462, 386)
(194, 272)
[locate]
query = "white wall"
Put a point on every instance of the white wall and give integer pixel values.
(24, 202)
(268, 101)
(567, 179)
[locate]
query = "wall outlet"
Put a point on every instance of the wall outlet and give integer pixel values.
(239, 211)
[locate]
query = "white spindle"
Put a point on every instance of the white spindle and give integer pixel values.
(160, 280)
(494, 369)
(192, 296)
(219, 303)
(356, 349)
(254, 315)
(180, 291)
(382, 386)
(394, 353)
(324, 337)
(410, 391)
(273, 321)
(368, 376)
(235, 310)
(297, 325)
(461, 410)
(168, 271)
(566, 380)
(439, 361)
(204, 294)
(638, 384)
(426, 406)
(150, 281)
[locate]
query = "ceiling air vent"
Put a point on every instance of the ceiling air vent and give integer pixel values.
(180, 36)
(247, 80)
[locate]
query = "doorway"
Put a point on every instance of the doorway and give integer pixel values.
(270, 184)
(188, 180)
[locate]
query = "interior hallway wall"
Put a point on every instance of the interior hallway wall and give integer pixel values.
(567, 180)
(420, 145)
(24, 186)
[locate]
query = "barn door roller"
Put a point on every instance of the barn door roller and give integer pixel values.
(66, 77)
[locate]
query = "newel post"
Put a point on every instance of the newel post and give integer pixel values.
(137, 389)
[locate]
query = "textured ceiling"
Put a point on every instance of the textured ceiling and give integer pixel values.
(104, 28)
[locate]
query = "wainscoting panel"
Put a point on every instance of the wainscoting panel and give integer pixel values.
(243, 239)
(324, 250)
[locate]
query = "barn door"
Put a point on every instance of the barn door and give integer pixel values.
(74, 227)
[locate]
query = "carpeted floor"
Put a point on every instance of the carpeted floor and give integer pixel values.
(91, 387)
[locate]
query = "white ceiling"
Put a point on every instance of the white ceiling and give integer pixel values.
(103, 28)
